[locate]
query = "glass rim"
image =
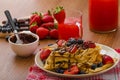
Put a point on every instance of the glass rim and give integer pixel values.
(73, 10)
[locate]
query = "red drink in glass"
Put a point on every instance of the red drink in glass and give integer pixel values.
(72, 28)
(103, 15)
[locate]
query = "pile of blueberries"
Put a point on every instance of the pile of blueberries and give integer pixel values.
(74, 41)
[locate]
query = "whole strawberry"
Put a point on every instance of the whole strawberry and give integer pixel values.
(54, 34)
(88, 44)
(49, 25)
(44, 53)
(59, 14)
(33, 27)
(36, 17)
(47, 18)
(42, 32)
(107, 59)
(72, 70)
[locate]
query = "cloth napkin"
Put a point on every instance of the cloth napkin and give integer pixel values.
(35, 73)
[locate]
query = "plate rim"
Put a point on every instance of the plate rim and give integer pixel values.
(79, 75)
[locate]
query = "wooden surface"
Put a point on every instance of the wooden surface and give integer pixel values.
(16, 68)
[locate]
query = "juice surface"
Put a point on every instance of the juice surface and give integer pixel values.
(103, 15)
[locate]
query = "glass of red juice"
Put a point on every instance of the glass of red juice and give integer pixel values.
(72, 27)
(103, 15)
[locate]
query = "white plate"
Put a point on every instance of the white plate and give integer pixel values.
(107, 50)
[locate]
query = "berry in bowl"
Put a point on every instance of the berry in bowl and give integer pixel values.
(30, 42)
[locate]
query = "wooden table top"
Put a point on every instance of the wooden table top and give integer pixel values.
(16, 68)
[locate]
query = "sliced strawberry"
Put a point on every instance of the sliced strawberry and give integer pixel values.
(44, 54)
(54, 33)
(74, 48)
(42, 32)
(92, 45)
(33, 27)
(88, 44)
(73, 70)
(59, 14)
(107, 59)
(60, 42)
(47, 18)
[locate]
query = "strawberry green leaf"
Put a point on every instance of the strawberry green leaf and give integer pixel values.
(58, 9)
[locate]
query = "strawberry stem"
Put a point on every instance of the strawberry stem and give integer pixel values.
(38, 13)
(49, 12)
(58, 9)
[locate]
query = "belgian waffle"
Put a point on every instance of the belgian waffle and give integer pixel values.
(61, 57)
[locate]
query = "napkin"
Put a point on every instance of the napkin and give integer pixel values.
(35, 73)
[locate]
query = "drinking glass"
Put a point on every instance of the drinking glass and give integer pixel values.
(72, 27)
(103, 15)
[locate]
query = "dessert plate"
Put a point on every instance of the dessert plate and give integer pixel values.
(105, 50)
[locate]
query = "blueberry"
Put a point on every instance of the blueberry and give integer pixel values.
(9, 29)
(68, 44)
(82, 72)
(59, 70)
(79, 41)
(93, 66)
(4, 30)
(100, 64)
(72, 40)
